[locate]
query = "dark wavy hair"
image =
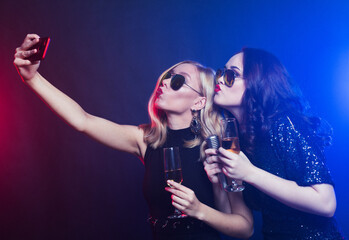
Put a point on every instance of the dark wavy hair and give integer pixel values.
(269, 93)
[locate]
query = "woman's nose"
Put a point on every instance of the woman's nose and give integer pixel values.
(220, 80)
(165, 82)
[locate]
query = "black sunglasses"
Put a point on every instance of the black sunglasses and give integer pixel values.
(177, 81)
(228, 76)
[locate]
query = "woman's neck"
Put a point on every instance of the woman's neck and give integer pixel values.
(179, 121)
(237, 112)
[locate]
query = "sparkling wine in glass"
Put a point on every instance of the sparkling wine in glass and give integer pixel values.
(173, 171)
(230, 141)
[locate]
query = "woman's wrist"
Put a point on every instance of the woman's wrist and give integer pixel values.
(253, 175)
(200, 215)
(33, 80)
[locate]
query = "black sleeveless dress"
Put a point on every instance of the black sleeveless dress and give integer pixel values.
(159, 200)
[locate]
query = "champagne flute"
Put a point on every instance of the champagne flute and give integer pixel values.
(230, 141)
(173, 171)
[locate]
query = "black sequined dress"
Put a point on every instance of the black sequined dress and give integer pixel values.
(292, 153)
(159, 201)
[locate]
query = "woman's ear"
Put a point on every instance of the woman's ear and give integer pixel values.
(199, 104)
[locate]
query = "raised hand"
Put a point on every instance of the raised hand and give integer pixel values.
(26, 68)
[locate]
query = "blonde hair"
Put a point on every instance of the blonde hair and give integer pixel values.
(155, 133)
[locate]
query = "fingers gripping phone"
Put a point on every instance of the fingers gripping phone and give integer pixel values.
(41, 47)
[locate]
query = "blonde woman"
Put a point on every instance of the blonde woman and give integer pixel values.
(182, 98)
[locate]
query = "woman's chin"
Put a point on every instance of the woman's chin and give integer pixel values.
(218, 100)
(159, 105)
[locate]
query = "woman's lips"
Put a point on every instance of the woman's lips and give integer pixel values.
(158, 92)
(217, 89)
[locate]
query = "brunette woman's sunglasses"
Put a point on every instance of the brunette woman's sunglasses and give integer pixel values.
(177, 81)
(228, 76)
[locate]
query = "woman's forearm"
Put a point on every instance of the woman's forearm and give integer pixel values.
(233, 218)
(317, 199)
(65, 107)
(237, 223)
(221, 199)
(234, 225)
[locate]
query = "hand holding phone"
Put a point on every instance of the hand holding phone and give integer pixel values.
(41, 47)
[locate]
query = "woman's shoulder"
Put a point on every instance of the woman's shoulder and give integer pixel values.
(287, 122)
(288, 128)
(312, 128)
(296, 121)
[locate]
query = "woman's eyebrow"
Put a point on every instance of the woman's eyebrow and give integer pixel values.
(233, 67)
(184, 73)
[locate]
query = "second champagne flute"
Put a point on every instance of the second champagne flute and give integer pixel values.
(230, 141)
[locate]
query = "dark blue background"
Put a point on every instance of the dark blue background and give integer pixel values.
(56, 183)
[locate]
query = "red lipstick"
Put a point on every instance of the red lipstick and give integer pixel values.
(218, 88)
(158, 92)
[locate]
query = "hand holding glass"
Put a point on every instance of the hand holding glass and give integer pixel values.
(173, 171)
(230, 141)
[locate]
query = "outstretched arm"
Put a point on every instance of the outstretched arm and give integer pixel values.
(122, 137)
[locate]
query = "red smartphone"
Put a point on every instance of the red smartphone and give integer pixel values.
(41, 46)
